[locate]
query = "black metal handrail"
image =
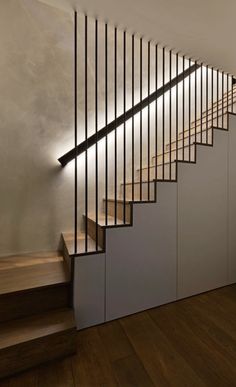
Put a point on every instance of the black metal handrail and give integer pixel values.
(92, 140)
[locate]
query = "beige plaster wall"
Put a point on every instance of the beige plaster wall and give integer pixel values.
(36, 118)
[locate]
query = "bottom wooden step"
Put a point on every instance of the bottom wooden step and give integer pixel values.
(27, 342)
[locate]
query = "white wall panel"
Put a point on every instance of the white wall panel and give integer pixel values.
(89, 290)
(141, 260)
(182, 245)
(232, 200)
(202, 219)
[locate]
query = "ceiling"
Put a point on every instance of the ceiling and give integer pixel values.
(202, 29)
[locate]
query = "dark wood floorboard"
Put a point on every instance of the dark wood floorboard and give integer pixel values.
(190, 343)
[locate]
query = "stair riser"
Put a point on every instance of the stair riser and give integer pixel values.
(183, 154)
(30, 302)
(204, 123)
(98, 232)
(26, 355)
(208, 113)
(198, 131)
(144, 192)
(119, 210)
(167, 173)
(66, 255)
(199, 138)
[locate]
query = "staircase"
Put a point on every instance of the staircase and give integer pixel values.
(182, 149)
(119, 164)
(37, 323)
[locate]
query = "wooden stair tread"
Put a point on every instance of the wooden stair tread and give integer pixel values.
(145, 181)
(192, 134)
(198, 127)
(29, 259)
(222, 103)
(29, 271)
(217, 105)
(167, 151)
(81, 249)
(151, 166)
(118, 200)
(128, 202)
(31, 328)
(102, 220)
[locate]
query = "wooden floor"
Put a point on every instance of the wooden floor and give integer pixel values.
(189, 343)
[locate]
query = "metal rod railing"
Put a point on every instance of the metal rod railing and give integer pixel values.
(222, 87)
(96, 131)
(148, 126)
(141, 120)
(212, 94)
(174, 123)
(183, 112)
(115, 134)
(201, 103)
(170, 117)
(132, 117)
(207, 133)
(189, 113)
(112, 126)
(75, 135)
(86, 128)
(177, 108)
(124, 144)
(106, 122)
(156, 115)
(217, 93)
(163, 115)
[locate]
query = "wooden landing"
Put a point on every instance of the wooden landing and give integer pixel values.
(24, 272)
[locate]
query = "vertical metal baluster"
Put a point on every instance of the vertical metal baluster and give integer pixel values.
(207, 113)
(156, 81)
(227, 100)
(183, 113)
(217, 91)
(75, 136)
(96, 129)
(170, 118)
(201, 104)
(195, 112)
(124, 145)
(163, 115)
(189, 111)
(86, 131)
(212, 96)
(177, 109)
(227, 93)
(141, 114)
(148, 140)
(222, 87)
(106, 122)
(115, 111)
(133, 118)
(232, 99)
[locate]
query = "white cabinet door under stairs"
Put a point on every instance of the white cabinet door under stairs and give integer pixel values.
(182, 245)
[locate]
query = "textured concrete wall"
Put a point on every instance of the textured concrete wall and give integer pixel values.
(36, 122)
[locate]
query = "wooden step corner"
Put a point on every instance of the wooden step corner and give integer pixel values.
(27, 342)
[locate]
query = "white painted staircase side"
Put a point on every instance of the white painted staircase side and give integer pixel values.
(182, 245)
